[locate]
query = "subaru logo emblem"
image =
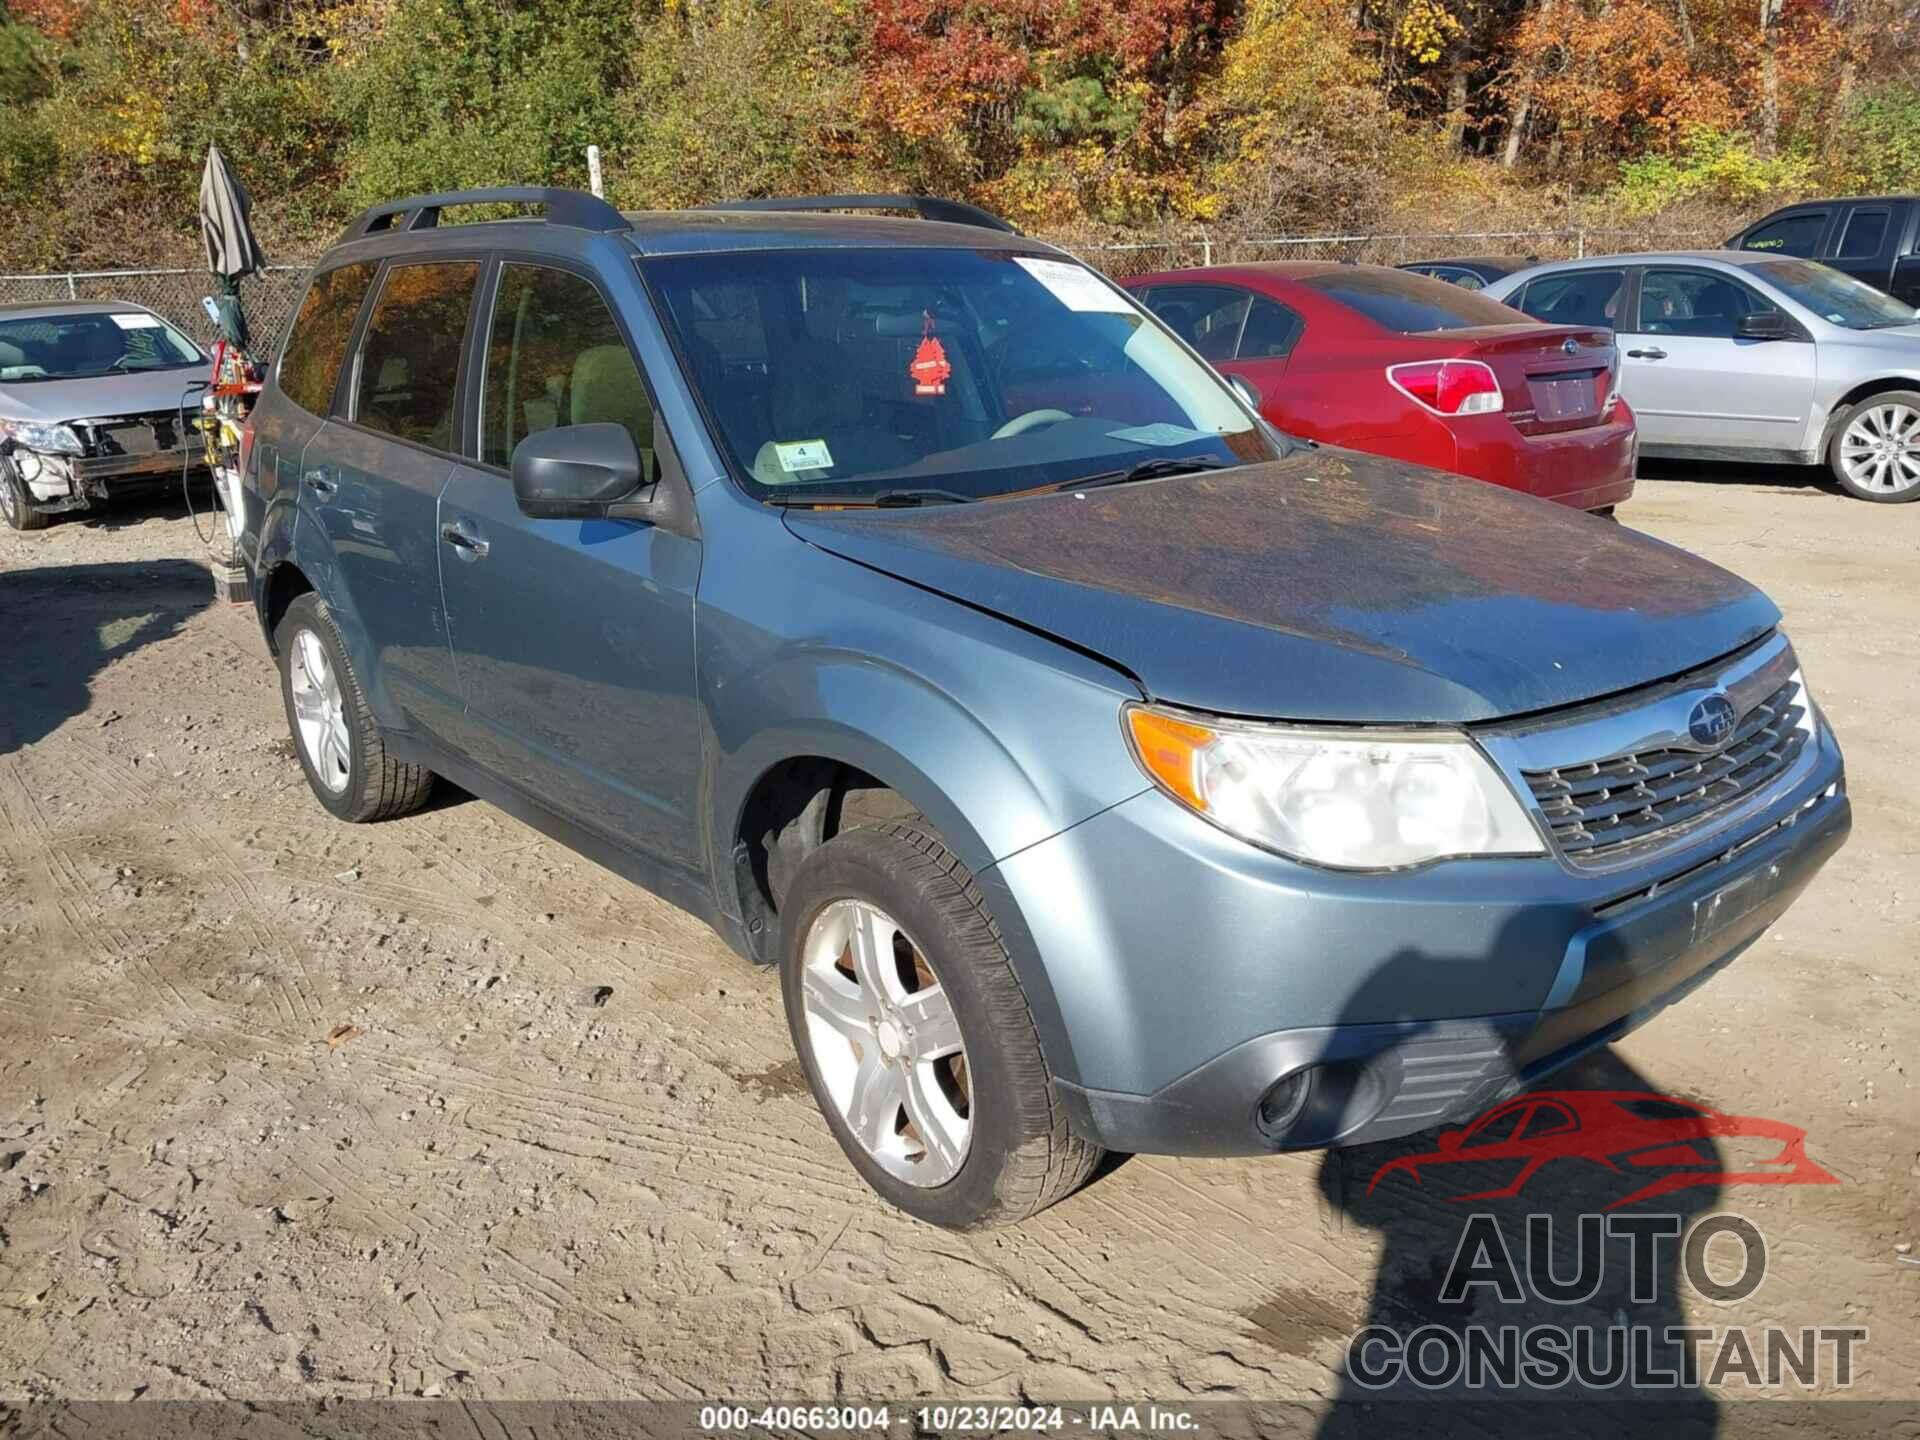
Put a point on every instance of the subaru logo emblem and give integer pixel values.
(1570, 346)
(1712, 721)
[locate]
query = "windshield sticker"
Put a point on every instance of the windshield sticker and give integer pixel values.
(1074, 287)
(136, 322)
(797, 455)
(1159, 433)
(929, 369)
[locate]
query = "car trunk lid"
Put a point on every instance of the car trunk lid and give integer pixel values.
(1552, 377)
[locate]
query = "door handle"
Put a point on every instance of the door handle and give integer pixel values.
(322, 483)
(1652, 352)
(461, 540)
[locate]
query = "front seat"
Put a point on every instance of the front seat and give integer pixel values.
(816, 396)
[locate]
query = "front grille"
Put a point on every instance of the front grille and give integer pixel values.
(1596, 809)
(138, 434)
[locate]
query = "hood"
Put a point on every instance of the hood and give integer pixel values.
(1325, 586)
(102, 396)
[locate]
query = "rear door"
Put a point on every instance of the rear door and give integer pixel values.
(1207, 317)
(296, 402)
(1862, 242)
(1267, 340)
(574, 638)
(373, 475)
(1693, 382)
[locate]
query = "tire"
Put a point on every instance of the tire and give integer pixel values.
(1605, 512)
(1875, 450)
(1017, 1156)
(16, 503)
(366, 783)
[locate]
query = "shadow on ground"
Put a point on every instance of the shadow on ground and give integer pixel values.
(67, 623)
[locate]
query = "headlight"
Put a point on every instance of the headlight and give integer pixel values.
(50, 439)
(1348, 800)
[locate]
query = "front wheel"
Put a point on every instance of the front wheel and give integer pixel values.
(916, 1037)
(16, 501)
(1875, 452)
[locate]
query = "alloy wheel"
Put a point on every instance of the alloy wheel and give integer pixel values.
(319, 711)
(1880, 450)
(886, 1042)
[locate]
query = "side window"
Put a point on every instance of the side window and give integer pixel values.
(310, 365)
(408, 371)
(1866, 232)
(1271, 331)
(1465, 279)
(555, 357)
(1795, 234)
(1575, 297)
(1694, 302)
(1207, 317)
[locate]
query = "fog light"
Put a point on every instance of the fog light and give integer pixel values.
(1282, 1104)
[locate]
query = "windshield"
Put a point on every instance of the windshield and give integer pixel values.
(1409, 304)
(78, 347)
(959, 374)
(1838, 299)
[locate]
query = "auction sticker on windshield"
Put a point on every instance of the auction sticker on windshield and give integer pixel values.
(136, 322)
(1073, 287)
(803, 455)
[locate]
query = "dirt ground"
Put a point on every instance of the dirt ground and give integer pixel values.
(565, 1151)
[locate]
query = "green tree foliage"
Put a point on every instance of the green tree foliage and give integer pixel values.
(1296, 114)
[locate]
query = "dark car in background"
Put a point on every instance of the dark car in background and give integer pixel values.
(96, 401)
(1875, 239)
(1473, 273)
(1414, 368)
(1100, 768)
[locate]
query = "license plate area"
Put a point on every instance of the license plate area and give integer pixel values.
(1733, 902)
(1558, 399)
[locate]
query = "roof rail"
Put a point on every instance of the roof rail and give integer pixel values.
(927, 207)
(575, 208)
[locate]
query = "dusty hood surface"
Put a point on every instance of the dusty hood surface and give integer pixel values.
(102, 396)
(1325, 586)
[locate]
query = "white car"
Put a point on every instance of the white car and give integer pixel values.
(1735, 355)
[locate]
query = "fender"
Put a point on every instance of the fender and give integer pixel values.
(971, 708)
(290, 536)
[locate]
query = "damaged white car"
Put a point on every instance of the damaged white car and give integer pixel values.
(96, 400)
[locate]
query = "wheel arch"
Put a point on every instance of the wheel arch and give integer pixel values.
(1865, 390)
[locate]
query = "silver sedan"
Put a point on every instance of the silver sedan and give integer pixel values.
(1733, 355)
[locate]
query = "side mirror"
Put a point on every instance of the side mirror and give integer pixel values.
(576, 472)
(1763, 325)
(1246, 390)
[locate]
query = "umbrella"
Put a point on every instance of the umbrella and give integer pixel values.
(232, 250)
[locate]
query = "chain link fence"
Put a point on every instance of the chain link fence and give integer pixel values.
(270, 298)
(1123, 258)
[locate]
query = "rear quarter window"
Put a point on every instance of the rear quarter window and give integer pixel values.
(1409, 304)
(317, 345)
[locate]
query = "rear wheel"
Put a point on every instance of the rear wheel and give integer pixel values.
(916, 1037)
(16, 504)
(335, 735)
(1875, 452)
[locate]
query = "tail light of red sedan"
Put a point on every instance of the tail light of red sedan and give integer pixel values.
(1449, 387)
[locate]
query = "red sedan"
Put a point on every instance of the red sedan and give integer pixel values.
(1414, 368)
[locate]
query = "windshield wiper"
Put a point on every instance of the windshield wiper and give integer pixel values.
(1148, 470)
(879, 499)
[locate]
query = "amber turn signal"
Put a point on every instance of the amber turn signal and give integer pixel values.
(1169, 750)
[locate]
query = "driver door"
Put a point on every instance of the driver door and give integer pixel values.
(573, 638)
(1693, 382)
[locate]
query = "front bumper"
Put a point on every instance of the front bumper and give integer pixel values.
(1192, 973)
(68, 482)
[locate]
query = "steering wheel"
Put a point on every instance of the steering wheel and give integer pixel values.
(1032, 420)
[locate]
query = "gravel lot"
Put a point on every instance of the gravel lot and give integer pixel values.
(565, 1151)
